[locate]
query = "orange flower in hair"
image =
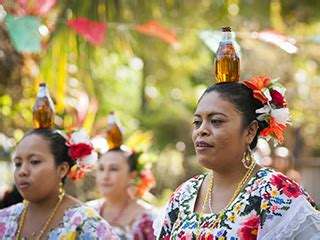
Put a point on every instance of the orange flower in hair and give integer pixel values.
(257, 84)
(274, 129)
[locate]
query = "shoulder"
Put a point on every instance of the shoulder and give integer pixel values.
(88, 223)
(85, 212)
(11, 212)
(276, 184)
(9, 220)
(96, 204)
(188, 188)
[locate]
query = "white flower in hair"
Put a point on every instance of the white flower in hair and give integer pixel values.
(86, 163)
(281, 115)
(79, 137)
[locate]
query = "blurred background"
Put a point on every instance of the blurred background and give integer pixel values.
(149, 61)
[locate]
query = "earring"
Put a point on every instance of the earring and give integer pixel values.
(247, 158)
(61, 190)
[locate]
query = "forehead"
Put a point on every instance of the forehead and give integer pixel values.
(33, 143)
(212, 102)
(114, 157)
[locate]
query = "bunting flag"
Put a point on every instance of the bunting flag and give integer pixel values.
(278, 39)
(93, 32)
(23, 32)
(38, 8)
(212, 40)
(155, 29)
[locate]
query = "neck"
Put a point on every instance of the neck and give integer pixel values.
(225, 178)
(117, 201)
(45, 205)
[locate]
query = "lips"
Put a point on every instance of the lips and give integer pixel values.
(203, 144)
(23, 184)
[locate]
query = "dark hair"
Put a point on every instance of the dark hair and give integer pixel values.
(58, 146)
(242, 98)
(132, 159)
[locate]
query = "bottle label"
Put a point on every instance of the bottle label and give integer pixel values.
(42, 92)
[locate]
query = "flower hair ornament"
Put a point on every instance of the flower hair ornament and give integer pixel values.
(274, 113)
(82, 152)
(145, 179)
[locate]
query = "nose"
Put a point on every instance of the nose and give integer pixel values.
(105, 174)
(203, 130)
(23, 171)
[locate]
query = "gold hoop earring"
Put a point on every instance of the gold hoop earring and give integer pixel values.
(61, 190)
(247, 159)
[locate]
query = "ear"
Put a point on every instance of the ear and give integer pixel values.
(133, 174)
(252, 131)
(63, 169)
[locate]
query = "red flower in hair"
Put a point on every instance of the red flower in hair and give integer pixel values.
(277, 98)
(80, 150)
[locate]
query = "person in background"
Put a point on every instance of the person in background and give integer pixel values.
(130, 217)
(11, 197)
(237, 198)
(42, 160)
(281, 163)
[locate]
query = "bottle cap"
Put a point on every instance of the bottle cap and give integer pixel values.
(226, 29)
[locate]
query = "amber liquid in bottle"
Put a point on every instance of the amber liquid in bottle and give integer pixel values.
(114, 132)
(43, 109)
(227, 62)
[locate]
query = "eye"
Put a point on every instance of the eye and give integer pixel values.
(17, 164)
(100, 168)
(216, 121)
(196, 123)
(35, 162)
(114, 169)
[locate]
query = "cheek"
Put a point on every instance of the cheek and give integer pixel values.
(194, 135)
(222, 138)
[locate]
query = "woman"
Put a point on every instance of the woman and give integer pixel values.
(42, 161)
(130, 218)
(238, 199)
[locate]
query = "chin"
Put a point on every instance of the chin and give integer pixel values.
(205, 162)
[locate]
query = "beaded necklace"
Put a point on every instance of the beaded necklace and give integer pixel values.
(207, 200)
(23, 216)
(115, 219)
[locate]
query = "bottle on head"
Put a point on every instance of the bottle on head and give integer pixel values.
(227, 61)
(43, 109)
(114, 132)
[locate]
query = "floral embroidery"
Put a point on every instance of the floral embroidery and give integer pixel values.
(79, 222)
(266, 197)
(289, 188)
(250, 228)
(141, 228)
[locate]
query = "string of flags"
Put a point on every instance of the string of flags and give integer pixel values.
(24, 31)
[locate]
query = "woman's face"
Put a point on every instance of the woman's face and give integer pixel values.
(113, 175)
(218, 136)
(36, 174)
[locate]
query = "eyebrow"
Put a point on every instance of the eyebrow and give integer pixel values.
(211, 114)
(29, 156)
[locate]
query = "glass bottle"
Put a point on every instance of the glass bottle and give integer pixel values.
(227, 61)
(43, 109)
(114, 132)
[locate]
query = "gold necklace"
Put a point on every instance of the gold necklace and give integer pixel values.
(23, 216)
(207, 199)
